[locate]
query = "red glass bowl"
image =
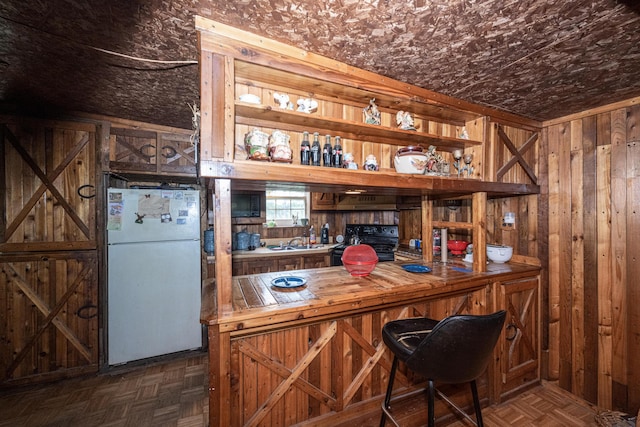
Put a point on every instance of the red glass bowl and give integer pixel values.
(359, 260)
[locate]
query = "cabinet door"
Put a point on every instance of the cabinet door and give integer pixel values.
(237, 268)
(49, 305)
(519, 343)
(323, 201)
(316, 261)
(259, 266)
(48, 199)
(289, 263)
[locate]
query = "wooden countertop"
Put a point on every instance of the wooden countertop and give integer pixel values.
(332, 290)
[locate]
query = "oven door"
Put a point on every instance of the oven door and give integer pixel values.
(336, 256)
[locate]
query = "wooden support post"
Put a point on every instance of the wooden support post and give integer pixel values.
(427, 229)
(479, 216)
(222, 231)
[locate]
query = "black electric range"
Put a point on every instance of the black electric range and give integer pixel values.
(383, 238)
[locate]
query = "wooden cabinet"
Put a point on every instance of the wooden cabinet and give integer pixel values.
(316, 261)
(323, 201)
(519, 344)
(151, 152)
(280, 263)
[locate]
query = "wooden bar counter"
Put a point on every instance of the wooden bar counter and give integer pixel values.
(313, 355)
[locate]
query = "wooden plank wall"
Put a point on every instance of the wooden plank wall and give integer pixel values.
(594, 318)
(523, 235)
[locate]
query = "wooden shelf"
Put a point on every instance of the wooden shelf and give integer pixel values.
(334, 85)
(255, 175)
(453, 225)
(267, 116)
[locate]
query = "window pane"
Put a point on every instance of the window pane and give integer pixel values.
(297, 204)
(284, 205)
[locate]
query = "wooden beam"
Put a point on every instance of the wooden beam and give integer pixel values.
(479, 216)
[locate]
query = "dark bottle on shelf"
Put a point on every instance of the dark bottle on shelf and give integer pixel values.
(304, 149)
(327, 152)
(337, 154)
(315, 150)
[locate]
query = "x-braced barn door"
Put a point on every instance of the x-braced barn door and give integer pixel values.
(48, 250)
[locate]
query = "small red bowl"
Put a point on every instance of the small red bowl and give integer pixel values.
(359, 260)
(457, 247)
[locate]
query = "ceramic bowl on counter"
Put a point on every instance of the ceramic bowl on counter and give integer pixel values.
(499, 253)
(411, 160)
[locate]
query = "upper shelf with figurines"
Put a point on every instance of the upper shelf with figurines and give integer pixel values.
(290, 102)
(291, 120)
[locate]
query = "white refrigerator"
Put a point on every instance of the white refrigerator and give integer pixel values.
(153, 269)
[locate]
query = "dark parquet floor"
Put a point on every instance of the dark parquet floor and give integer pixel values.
(173, 393)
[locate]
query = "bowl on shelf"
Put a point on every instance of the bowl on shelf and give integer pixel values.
(499, 253)
(411, 159)
(457, 247)
(359, 260)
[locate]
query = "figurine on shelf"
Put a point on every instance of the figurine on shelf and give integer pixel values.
(283, 101)
(404, 120)
(464, 134)
(349, 162)
(433, 161)
(307, 105)
(371, 113)
(370, 163)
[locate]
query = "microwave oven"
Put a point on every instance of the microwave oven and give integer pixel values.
(246, 205)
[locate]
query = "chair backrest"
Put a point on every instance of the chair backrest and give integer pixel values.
(458, 349)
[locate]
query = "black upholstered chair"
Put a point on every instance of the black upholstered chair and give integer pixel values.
(454, 350)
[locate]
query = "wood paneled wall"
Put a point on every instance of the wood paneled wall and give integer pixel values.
(593, 163)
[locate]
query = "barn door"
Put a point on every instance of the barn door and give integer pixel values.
(48, 250)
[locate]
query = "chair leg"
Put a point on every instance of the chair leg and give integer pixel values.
(431, 400)
(476, 403)
(387, 397)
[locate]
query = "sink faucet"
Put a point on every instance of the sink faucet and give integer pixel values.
(299, 241)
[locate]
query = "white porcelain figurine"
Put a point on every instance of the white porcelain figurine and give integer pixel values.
(404, 120)
(307, 105)
(283, 100)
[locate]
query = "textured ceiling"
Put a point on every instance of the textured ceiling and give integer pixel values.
(539, 59)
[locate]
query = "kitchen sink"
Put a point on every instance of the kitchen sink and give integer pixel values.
(293, 247)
